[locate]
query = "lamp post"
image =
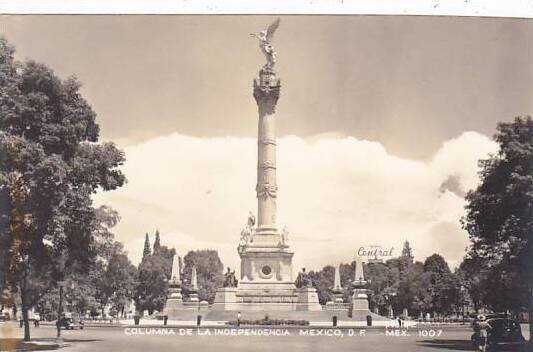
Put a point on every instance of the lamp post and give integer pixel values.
(530, 317)
(61, 283)
(388, 298)
(60, 311)
(432, 305)
(463, 301)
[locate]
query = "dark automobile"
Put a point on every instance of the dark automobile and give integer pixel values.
(504, 331)
(70, 323)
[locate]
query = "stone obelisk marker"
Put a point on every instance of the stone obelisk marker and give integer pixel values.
(175, 301)
(193, 295)
(360, 297)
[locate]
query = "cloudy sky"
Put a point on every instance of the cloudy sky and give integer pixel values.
(381, 122)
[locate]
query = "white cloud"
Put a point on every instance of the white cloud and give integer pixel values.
(335, 195)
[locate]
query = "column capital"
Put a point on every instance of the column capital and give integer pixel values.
(266, 91)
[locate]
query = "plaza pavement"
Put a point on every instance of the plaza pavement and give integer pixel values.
(451, 338)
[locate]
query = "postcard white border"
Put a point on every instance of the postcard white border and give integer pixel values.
(489, 8)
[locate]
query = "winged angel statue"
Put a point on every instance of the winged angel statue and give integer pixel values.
(265, 36)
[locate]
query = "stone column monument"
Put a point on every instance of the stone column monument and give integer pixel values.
(266, 280)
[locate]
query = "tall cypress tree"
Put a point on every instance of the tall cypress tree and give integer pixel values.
(146, 251)
(407, 252)
(157, 242)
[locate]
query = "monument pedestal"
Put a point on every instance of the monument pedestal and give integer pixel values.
(174, 303)
(225, 299)
(332, 306)
(337, 297)
(193, 298)
(308, 300)
(360, 300)
(173, 307)
(174, 300)
(266, 274)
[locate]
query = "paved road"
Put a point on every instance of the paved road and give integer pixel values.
(176, 339)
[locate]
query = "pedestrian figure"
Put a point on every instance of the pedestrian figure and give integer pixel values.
(399, 321)
(483, 329)
(238, 319)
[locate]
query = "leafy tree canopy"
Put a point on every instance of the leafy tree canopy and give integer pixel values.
(499, 221)
(209, 270)
(51, 165)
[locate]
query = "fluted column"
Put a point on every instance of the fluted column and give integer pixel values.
(266, 94)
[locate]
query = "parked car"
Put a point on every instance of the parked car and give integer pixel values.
(504, 331)
(4, 316)
(71, 321)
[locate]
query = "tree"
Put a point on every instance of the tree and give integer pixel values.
(153, 275)
(443, 288)
(209, 271)
(323, 282)
(52, 164)
(414, 292)
(78, 293)
(347, 272)
(124, 277)
(146, 250)
(7, 299)
(474, 272)
(151, 291)
(499, 218)
(383, 282)
(437, 266)
(407, 252)
(114, 279)
(157, 242)
(167, 254)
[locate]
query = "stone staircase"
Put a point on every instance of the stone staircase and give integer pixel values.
(326, 316)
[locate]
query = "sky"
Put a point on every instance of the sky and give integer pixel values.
(381, 121)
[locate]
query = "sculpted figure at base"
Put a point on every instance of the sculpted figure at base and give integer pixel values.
(284, 236)
(246, 233)
(251, 220)
(229, 279)
(303, 279)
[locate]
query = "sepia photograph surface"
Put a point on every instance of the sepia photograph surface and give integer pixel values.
(266, 183)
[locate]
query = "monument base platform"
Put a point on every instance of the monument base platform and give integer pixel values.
(281, 293)
(225, 299)
(271, 297)
(172, 306)
(324, 316)
(337, 306)
(308, 300)
(360, 300)
(186, 310)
